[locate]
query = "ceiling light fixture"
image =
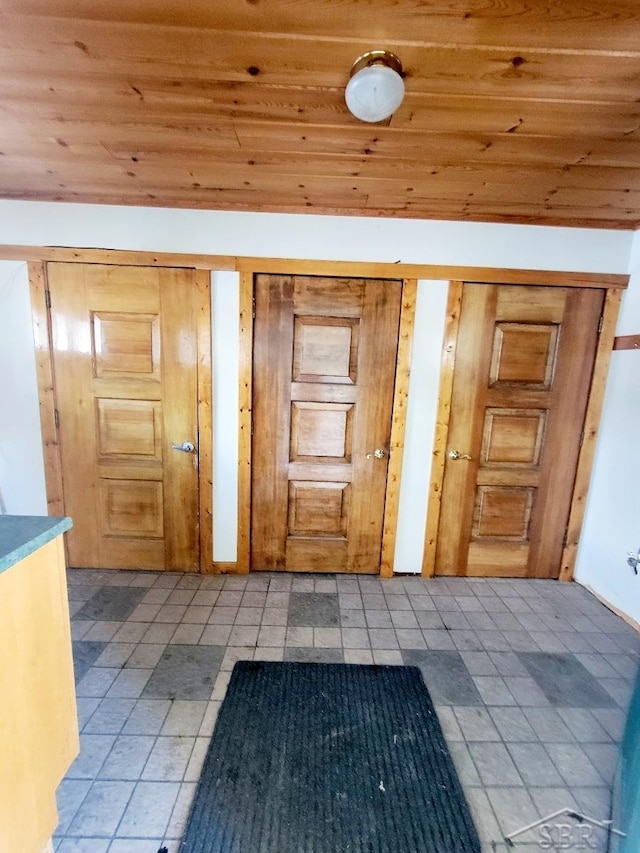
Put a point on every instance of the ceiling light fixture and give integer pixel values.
(376, 89)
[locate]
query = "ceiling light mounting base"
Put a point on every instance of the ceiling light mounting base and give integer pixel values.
(377, 57)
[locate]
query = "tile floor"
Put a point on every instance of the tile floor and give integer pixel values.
(530, 679)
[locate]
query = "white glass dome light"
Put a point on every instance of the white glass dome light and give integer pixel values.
(376, 89)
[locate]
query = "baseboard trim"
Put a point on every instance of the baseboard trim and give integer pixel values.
(219, 568)
(613, 608)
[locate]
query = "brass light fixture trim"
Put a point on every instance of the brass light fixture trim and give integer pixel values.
(377, 57)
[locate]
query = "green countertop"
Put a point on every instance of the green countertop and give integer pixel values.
(21, 535)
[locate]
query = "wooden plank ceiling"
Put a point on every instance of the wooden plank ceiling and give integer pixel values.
(516, 110)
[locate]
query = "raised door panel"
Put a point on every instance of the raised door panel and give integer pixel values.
(502, 512)
(524, 354)
(129, 428)
(132, 508)
(321, 430)
(325, 349)
(126, 387)
(512, 437)
(324, 362)
(318, 509)
(125, 345)
(520, 390)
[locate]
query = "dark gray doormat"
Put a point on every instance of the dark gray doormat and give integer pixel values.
(328, 758)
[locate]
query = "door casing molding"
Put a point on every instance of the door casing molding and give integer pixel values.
(398, 421)
(41, 320)
(37, 256)
(604, 347)
(300, 266)
(46, 391)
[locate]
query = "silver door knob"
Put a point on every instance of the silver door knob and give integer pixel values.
(455, 454)
(379, 453)
(185, 447)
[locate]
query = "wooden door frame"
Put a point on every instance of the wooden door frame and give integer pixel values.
(41, 320)
(593, 413)
(342, 269)
(614, 284)
(398, 417)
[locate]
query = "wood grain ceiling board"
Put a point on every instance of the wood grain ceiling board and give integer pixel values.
(516, 111)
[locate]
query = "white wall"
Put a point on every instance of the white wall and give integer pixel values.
(272, 235)
(422, 404)
(22, 485)
(612, 522)
(225, 310)
(309, 237)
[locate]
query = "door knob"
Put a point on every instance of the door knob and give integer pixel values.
(185, 447)
(379, 453)
(455, 454)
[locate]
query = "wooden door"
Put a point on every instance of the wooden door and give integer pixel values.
(324, 367)
(524, 361)
(125, 365)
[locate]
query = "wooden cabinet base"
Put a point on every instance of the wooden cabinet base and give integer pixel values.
(38, 718)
